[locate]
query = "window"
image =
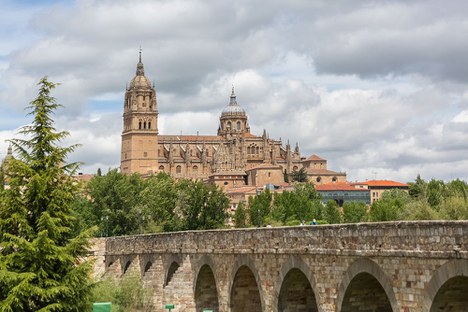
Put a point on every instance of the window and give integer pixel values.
(145, 154)
(318, 179)
(238, 125)
(228, 126)
(149, 124)
(334, 179)
(178, 169)
(257, 150)
(195, 168)
(295, 168)
(161, 168)
(139, 124)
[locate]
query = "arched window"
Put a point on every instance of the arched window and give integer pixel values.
(248, 149)
(195, 169)
(144, 125)
(149, 124)
(334, 179)
(178, 169)
(238, 125)
(161, 168)
(295, 168)
(228, 126)
(139, 125)
(318, 179)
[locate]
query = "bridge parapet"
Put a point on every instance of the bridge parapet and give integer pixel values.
(438, 238)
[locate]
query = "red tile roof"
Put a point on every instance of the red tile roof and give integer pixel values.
(384, 183)
(315, 157)
(200, 138)
(338, 186)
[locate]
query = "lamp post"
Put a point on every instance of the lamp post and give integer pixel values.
(258, 205)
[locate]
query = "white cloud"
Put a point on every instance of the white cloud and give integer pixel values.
(376, 87)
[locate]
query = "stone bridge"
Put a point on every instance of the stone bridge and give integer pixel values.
(394, 266)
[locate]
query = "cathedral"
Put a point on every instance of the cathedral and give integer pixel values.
(233, 158)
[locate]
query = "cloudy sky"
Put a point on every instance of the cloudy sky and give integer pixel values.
(379, 88)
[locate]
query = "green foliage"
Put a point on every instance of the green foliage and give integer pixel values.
(454, 208)
(265, 199)
(299, 175)
(301, 204)
(126, 204)
(126, 294)
(390, 207)
(331, 212)
(354, 212)
(41, 266)
(418, 210)
(114, 200)
(199, 207)
(239, 216)
(157, 203)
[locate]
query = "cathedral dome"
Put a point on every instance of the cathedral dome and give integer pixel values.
(140, 81)
(233, 108)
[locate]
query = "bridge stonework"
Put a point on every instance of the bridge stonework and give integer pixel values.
(394, 266)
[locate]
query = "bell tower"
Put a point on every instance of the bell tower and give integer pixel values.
(139, 152)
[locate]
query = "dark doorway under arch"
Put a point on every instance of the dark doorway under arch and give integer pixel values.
(296, 294)
(206, 294)
(365, 294)
(245, 295)
(452, 295)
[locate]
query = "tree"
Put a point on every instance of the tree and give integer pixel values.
(239, 216)
(354, 212)
(42, 265)
(299, 175)
(331, 212)
(265, 199)
(390, 207)
(157, 203)
(301, 204)
(199, 207)
(114, 199)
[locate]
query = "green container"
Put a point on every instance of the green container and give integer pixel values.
(102, 307)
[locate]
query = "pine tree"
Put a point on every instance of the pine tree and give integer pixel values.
(42, 266)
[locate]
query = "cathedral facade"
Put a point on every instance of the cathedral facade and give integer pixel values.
(233, 158)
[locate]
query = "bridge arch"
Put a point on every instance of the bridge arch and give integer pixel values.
(171, 264)
(245, 290)
(295, 277)
(365, 274)
(448, 287)
(205, 286)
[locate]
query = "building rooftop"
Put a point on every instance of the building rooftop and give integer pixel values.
(338, 186)
(384, 183)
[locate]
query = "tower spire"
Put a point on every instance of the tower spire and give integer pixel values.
(233, 100)
(140, 69)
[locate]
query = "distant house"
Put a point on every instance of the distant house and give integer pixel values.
(343, 192)
(377, 187)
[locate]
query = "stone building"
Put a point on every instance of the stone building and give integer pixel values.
(233, 158)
